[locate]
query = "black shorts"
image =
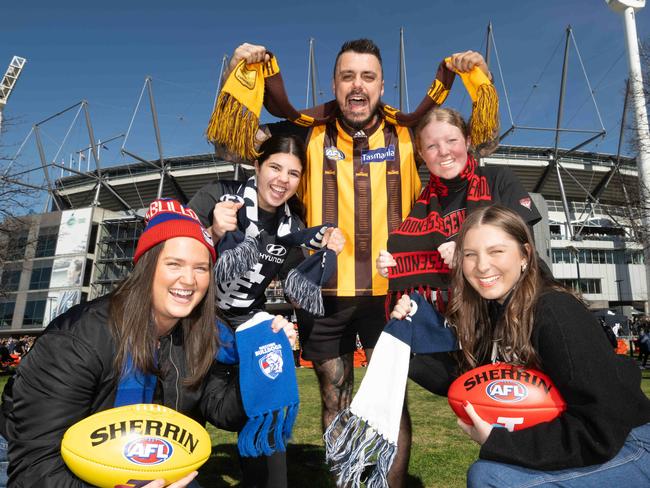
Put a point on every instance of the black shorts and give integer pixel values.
(334, 334)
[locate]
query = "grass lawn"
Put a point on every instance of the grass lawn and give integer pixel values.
(440, 454)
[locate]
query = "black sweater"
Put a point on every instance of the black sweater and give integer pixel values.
(602, 392)
(69, 375)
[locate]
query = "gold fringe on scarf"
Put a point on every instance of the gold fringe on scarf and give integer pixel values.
(235, 120)
(484, 124)
(238, 133)
(236, 117)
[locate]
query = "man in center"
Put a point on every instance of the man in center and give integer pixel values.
(361, 176)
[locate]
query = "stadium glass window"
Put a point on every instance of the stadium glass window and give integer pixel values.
(6, 314)
(10, 280)
(587, 285)
(46, 242)
(619, 257)
(16, 246)
(93, 238)
(87, 272)
(34, 312)
(562, 256)
(41, 274)
(633, 257)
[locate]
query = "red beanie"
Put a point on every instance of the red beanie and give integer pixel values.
(166, 219)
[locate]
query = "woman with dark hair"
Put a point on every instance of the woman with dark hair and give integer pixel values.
(505, 309)
(152, 340)
(264, 212)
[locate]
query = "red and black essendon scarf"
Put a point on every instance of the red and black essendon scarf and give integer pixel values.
(414, 245)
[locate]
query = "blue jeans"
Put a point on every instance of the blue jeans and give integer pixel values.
(630, 467)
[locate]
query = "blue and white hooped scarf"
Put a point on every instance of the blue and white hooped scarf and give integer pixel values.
(365, 434)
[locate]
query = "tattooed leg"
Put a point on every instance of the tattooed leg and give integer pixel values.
(336, 379)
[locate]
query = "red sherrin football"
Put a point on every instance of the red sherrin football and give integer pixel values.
(514, 397)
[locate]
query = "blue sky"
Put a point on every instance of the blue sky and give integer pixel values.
(102, 53)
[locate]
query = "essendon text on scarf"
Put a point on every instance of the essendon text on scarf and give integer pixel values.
(448, 226)
(417, 262)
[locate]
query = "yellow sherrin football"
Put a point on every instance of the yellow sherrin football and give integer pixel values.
(134, 444)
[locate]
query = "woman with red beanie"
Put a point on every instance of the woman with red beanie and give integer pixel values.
(152, 340)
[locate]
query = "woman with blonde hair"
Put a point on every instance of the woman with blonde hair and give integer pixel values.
(420, 252)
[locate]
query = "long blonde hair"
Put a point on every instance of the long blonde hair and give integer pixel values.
(468, 311)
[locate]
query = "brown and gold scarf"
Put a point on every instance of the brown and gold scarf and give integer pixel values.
(235, 119)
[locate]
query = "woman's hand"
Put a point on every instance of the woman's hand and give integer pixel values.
(250, 52)
(402, 308)
(224, 218)
(281, 323)
(334, 239)
(384, 261)
(447, 250)
(465, 61)
(182, 483)
(480, 431)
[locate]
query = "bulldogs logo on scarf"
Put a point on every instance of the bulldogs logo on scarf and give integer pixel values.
(267, 379)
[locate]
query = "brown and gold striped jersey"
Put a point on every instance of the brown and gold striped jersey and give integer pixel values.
(365, 182)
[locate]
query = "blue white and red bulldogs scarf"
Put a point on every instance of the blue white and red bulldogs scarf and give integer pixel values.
(365, 434)
(269, 389)
(134, 385)
(238, 250)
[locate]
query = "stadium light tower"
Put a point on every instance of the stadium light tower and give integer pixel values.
(628, 9)
(9, 81)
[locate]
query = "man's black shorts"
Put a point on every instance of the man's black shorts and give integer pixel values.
(334, 334)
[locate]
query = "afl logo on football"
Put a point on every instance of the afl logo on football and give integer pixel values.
(276, 249)
(507, 391)
(334, 153)
(148, 451)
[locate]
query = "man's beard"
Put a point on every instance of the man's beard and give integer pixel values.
(361, 124)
